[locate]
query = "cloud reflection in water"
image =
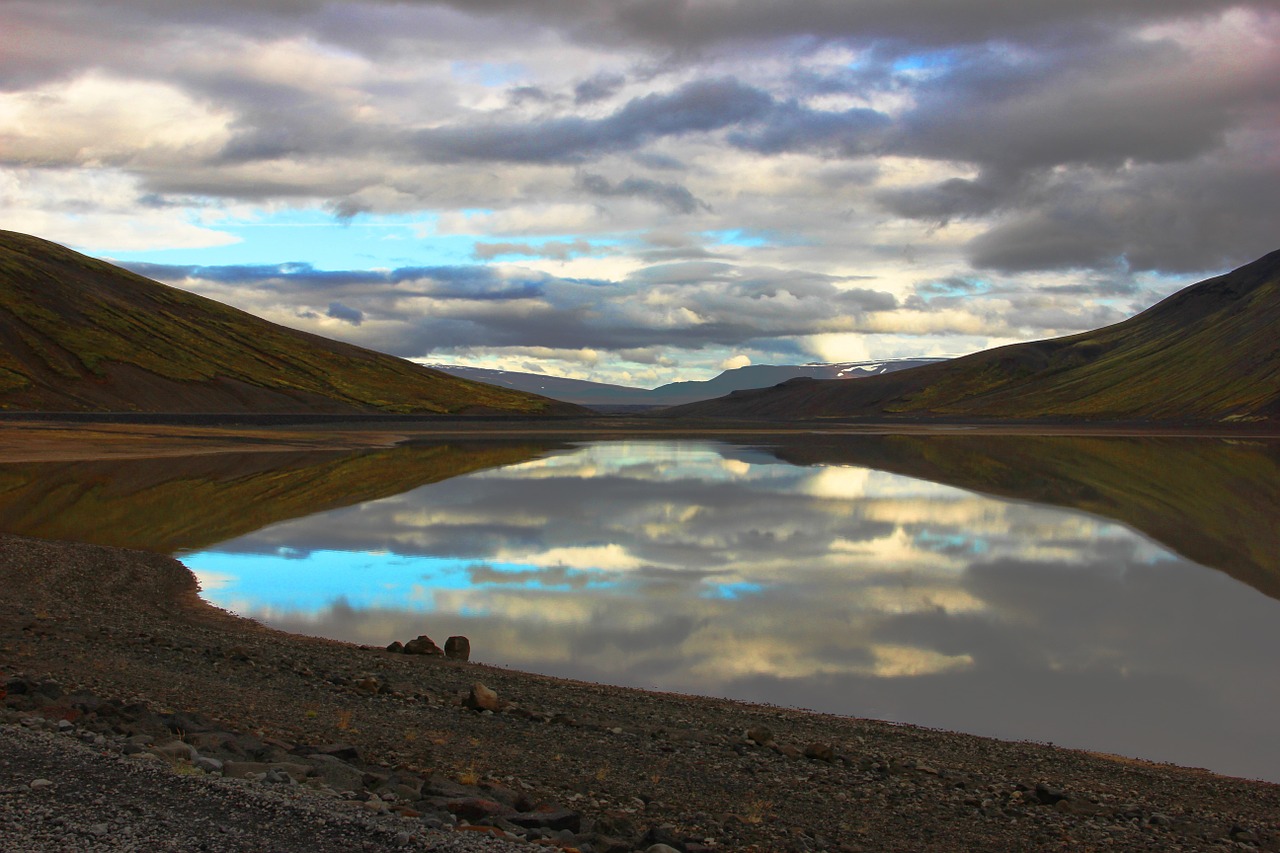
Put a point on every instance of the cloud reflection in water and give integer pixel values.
(718, 570)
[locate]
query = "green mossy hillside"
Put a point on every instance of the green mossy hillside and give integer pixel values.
(78, 334)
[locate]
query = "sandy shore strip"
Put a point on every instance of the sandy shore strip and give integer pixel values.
(632, 768)
(30, 439)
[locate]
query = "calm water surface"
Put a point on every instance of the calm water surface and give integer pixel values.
(1120, 595)
(821, 583)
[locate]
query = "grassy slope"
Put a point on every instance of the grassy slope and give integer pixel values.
(77, 334)
(1215, 502)
(168, 505)
(1208, 353)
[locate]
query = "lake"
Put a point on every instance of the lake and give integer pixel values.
(1115, 594)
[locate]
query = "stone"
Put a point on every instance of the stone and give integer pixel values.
(554, 819)
(616, 825)
(277, 776)
(476, 808)
(660, 848)
(396, 647)
(245, 769)
(661, 836)
(209, 765)
(37, 784)
(819, 751)
(787, 750)
(481, 698)
(175, 750)
(340, 751)
(760, 735)
(423, 645)
(1048, 795)
(457, 648)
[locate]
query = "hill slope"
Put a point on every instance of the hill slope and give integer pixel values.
(1210, 352)
(78, 334)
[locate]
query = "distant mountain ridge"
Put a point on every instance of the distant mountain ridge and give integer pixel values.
(1208, 353)
(587, 393)
(78, 334)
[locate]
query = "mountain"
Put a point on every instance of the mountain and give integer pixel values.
(78, 334)
(600, 394)
(1210, 352)
(579, 391)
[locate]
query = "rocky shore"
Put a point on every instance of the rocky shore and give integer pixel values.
(135, 716)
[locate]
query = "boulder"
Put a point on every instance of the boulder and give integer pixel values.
(481, 698)
(457, 648)
(819, 751)
(423, 645)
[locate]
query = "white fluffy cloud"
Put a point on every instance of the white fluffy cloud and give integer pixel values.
(882, 147)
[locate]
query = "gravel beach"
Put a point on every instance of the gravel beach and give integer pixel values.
(136, 716)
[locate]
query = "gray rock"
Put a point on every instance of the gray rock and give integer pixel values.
(37, 784)
(176, 749)
(457, 648)
(335, 773)
(1048, 794)
(819, 751)
(481, 698)
(423, 645)
(209, 765)
(760, 735)
(246, 769)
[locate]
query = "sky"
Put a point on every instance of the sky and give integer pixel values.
(641, 191)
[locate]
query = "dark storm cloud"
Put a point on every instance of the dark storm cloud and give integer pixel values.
(338, 311)
(689, 305)
(456, 282)
(673, 197)
(791, 127)
(598, 88)
(700, 106)
(1105, 104)
(1200, 217)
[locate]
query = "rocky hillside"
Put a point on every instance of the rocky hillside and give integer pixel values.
(1208, 353)
(77, 334)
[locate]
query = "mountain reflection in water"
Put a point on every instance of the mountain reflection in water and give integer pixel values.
(818, 581)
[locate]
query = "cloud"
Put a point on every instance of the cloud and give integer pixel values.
(553, 249)
(599, 87)
(673, 197)
(338, 311)
(1042, 148)
(697, 107)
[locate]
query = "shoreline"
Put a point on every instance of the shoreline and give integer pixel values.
(48, 438)
(130, 626)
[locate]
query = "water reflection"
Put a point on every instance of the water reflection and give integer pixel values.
(173, 504)
(724, 570)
